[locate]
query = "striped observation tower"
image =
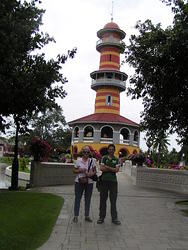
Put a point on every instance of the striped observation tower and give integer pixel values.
(109, 81)
(106, 125)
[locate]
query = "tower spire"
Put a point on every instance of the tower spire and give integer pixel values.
(112, 11)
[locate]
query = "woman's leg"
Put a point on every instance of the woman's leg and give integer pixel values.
(78, 189)
(88, 193)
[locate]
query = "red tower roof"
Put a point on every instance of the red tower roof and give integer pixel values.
(111, 25)
(104, 118)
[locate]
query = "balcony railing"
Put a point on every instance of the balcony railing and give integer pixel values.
(110, 40)
(88, 139)
(75, 139)
(135, 143)
(110, 82)
(127, 142)
(106, 140)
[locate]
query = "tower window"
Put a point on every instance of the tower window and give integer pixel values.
(109, 100)
(110, 57)
(109, 75)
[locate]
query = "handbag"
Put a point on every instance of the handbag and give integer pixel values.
(93, 177)
(83, 180)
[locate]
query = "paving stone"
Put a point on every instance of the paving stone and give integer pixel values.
(150, 221)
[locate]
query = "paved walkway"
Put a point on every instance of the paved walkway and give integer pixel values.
(150, 221)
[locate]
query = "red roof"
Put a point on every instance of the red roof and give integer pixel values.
(104, 118)
(111, 25)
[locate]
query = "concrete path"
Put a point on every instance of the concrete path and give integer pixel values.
(150, 221)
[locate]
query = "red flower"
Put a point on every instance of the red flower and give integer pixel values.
(40, 149)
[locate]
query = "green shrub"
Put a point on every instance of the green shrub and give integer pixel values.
(23, 162)
(7, 159)
(67, 156)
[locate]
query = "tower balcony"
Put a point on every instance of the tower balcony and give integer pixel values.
(108, 78)
(110, 42)
(108, 82)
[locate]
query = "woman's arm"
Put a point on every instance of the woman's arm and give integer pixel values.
(79, 170)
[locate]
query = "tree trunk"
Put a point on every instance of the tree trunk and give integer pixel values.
(14, 177)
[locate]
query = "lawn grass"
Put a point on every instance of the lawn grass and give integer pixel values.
(185, 211)
(27, 219)
(185, 206)
(182, 203)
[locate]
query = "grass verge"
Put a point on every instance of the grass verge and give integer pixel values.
(27, 219)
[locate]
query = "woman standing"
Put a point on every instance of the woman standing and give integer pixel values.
(84, 168)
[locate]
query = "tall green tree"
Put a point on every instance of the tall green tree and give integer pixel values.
(46, 123)
(160, 146)
(28, 81)
(52, 127)
(160, 59)
(173, 157)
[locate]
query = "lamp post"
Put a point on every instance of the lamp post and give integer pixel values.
(182, 162)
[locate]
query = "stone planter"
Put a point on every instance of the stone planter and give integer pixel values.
(23, 178)
(51, 174)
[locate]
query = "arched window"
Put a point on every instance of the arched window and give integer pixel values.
(76, 132)
(136, 136)
(125, 135)
(107, 132)
(88, 131)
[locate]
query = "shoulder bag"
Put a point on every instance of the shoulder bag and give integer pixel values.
(93, 177)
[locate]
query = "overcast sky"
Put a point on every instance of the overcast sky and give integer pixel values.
(74, 23)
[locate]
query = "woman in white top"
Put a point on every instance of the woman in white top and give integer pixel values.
(81, 168)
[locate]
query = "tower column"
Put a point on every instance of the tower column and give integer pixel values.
(109, 81)
(116, 137)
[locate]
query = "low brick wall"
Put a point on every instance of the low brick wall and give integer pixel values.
(51, 174)
(165, 179)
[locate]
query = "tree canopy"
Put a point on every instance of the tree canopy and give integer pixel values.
(27, 80)
(160, 59)
(52, 127)
(29, 83)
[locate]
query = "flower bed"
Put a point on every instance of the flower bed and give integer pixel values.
(172, 167)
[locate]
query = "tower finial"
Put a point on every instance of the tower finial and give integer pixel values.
(112, 11)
